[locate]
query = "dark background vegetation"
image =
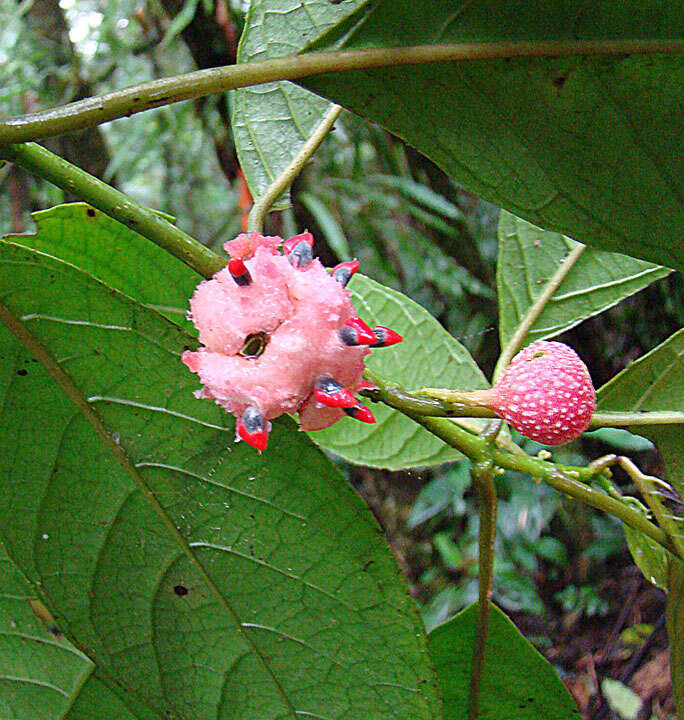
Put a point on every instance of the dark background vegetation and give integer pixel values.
(563, 571)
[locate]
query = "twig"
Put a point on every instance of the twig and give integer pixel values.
(255, 221)
(142, 220)
(571, 480)
(535, 310)
(483, 477)
(165, 91)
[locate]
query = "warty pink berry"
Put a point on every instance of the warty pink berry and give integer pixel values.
(546, 393)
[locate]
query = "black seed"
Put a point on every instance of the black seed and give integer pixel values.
(328, 385)
(348, 335)
(90, 212)
(342, 275)
(301, 255)
(253, 420)
(255, 344)
(180, 590)
(22, 372)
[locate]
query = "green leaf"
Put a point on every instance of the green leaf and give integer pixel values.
(114, 254)
(651, 558)
(517, 681)
(427, 356)
(44, 676)
(181, 20)
(529, 257)
(675, 631)
(41, 672)
(203, 579)
(440, 493)
(422, 194)
(585, 146)
(271, 122)
(620, 439)
(654, 382)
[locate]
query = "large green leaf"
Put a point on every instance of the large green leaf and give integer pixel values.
(517, 681)
(203, 580)
(43, 676)
(114, 254)
(271, 122)
(586, 146)
(428, 356)
(529, 257)
(40, 672)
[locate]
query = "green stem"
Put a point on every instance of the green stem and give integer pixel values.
(568, 479)
(255, 221)
(451, 403)
(535, 310)
(142, 220)
(156, 93)
(483, 478)
(625, 419)
(424, 403)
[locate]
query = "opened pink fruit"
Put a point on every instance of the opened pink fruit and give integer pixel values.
(280, 335)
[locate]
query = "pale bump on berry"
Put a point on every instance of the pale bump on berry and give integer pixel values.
(546, 393)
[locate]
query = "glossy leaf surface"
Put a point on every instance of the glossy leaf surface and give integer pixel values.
(586, 146)
(204, 579)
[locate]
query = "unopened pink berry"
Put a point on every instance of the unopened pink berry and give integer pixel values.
(546, 393)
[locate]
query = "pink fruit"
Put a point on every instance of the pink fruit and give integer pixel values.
(279, 335)
(546, 393)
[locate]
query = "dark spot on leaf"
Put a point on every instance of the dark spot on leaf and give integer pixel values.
(22, 372)
(180, 590)
(90, 212)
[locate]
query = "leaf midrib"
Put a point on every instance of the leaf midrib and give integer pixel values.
(67, 384)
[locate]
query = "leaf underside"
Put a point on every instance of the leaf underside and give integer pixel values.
(271, 122)
(200, 578)
(530, 256)
(655, 382)
(586, 146)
